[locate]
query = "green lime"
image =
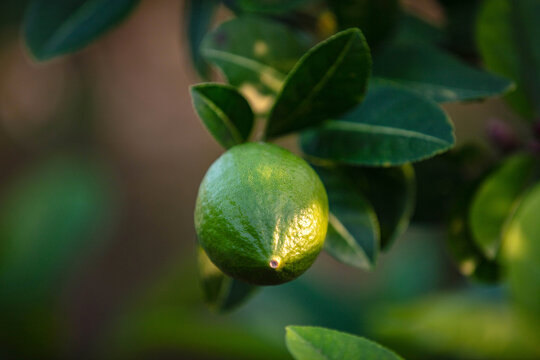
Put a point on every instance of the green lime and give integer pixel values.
(261, 214)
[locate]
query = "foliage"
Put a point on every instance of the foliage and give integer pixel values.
(364, 96)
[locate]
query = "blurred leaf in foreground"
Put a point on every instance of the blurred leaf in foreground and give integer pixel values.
(315, 343)
(464, 326)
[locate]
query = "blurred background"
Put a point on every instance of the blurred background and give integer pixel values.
(101, 156)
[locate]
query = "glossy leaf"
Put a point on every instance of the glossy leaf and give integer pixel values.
(376, 18)
(496, 200)
(391, 127)
(199, 18)
(507, 36)
(327, 81)
(222, 293)
(224, 112)
(255, 54)
(435, 74)
(53, 28)
(353, 231)
(521, 252)
(315, 343)
(392, 193)
(58, 212)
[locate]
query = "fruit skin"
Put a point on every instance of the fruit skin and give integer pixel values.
(261, 214)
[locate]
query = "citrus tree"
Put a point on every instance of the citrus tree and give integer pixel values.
(361, 85)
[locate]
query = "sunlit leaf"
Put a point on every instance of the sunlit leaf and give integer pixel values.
(315, 343)
(327, 81)
(507, 36)
(224, 112)
(255, 54)
(53, 28)
(496, 200)
(521, 250)
(391, 127)
(435, 74)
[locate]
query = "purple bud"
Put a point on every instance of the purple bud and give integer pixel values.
(536, 129)
(502, 135)
(534, 147)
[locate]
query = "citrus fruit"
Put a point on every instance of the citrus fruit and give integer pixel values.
(261, 214)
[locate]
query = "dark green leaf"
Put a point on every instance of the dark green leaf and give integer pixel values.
(521, 251)
(315, 343)
(353, 230)
(255, 55)
(221, 292)
(391, 127)
(267, 6)
(329, 80)
(507, 36)
(460, 25)
(412, 29)
(442, 178)
(435, 74)
(496, 200)
(392, 192)
(224, 112)
(55, 214)
(53, 28)
(199, 18)
(376, 18)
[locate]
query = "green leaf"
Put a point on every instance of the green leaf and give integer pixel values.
(412, 29)
(327, 81)
(521, 250)
(315, 343)
(392, 192)
(221, 292)
(53, 28)
(224, 112)
(470, 260)
(435, 74)
(391, 127)
(376, 18)
(199, 17)
(255, 54)
(507, 35)
(496, 200)
(353, 230)
(457, 326)
(268, 6)
(54, 214)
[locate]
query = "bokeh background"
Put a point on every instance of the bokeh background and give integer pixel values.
(101, 156)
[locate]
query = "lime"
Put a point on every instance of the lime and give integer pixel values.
(261, 214)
